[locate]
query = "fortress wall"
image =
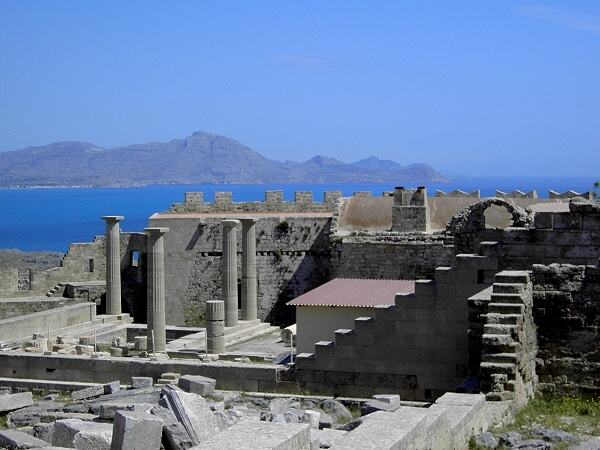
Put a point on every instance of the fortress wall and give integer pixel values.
(9, 281)
(411, 256)
(563, 237)
(292, 258)
(567, 315)
(223, 202)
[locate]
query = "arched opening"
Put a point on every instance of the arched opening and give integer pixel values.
(497, 217)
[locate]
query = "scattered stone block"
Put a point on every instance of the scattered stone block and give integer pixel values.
(108, 410)
(192, 412)
(197, 384)
(312, 418)
(44, 431)
(141, 382)
(112, 387)
(338, 412)
(93, 440)
(116, 351)
(134, 430)
(90, 392)
(84, 349)
(376, 405)
(485, 440)
(15, 439)
(387, 398)
(140, 343)
(174, 432)
(251, 435)
(11, 402)
(66, 429)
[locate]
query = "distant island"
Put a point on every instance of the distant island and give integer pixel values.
(202, 158)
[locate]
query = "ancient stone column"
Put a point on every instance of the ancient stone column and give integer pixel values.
(155, 301)
(113, 264)
(249, 309)
(229, 272)
(215, 327)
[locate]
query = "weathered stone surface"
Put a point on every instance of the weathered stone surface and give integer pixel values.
(33, 415)
(375, 405)
(193, 412)
(93, 440)
(197, 384)
(552, 435)
(15, 439)
(112, 387)
(173, 431)
(90, 392)
(338, 412)
(532, 444)
(141, 382)
(44, 431)
(250, 435)
(485, 440)
(511, 438)
(135, 430)
(326, 438)
(11, 402)
(387, 398)
(65, 430)
(108, 410)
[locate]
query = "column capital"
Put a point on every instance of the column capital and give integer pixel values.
(113, 218)
(230, 223)
(153, 231)
(248, 220)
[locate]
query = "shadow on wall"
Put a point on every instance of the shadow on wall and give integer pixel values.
(313, 271)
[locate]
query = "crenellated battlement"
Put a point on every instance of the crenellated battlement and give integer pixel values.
(274, 201)
(457, 193)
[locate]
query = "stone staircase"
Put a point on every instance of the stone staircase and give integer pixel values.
(244, 331)
(104, 327)
(502, 338)
(57, 291)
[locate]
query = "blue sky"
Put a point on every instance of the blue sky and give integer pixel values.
(497, 87)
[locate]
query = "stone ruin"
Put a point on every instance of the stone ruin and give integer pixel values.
(154, 335)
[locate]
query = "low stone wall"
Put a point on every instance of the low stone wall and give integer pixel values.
(13, 307)
(566, 300)
(229, 376)
(21, 327)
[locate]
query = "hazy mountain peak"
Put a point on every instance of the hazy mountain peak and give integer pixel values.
(199, 158)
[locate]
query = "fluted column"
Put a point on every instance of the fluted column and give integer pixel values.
(229, 272)
(113, 264)
(249, 307)
(156, 328)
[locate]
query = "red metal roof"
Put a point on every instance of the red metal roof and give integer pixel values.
(356, 292)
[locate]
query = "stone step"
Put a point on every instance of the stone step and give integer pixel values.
(496, 340)
(512, 276)
(506, 308)
(501, 328)
(495, 367)
(245, 334)
(324, 349)
(508, 319)
(304, 360)
(509, 358)
(507, 298)
(508, 288)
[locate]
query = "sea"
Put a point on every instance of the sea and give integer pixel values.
(48, 219)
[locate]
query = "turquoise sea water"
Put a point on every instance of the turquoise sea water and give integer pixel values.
(49, 219)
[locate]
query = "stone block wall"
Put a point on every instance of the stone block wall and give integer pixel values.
(566, 305)
(9, 281)
(411, 210)
(14, 307)
(390, 255)
(292, 258)
(417, 348)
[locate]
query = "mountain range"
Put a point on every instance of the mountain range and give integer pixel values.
(202, 158)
